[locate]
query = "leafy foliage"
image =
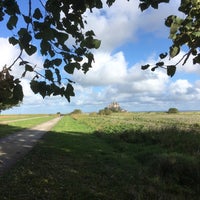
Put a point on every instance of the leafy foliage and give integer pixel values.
(76, 111)
(183, 32)
(173, 110)
(11, 93)
(105, 111)
(49, 28)
(51, 25)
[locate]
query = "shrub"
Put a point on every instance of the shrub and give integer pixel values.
(76, 111)
(173, 110)
(105, 111)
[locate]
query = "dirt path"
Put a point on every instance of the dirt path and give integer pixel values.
(15, 146)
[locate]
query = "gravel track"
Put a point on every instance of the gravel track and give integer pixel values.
(15, 146)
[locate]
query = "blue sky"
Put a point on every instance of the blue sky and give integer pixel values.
(130, 38)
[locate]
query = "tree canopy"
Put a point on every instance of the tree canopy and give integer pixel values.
(47, 28)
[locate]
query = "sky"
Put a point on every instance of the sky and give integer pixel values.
(129, 38)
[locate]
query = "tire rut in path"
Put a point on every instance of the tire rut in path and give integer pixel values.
(15, 146)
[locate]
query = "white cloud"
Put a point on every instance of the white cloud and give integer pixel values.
(180, 87)
(121, 22)
(131, 86)
(112, 25)
(107, 69)
(153, 19)
(8, 53)
(112, 78)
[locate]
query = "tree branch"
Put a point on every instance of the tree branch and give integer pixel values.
(18, 57)
(187, 55)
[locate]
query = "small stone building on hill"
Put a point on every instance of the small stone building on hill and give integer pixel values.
(115, 107)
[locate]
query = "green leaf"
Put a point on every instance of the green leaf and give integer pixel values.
(69, 92)
(80, 51)
(154, 5)
(144, 67)
(160, 64)
(27, 19)
(49, 75)
(163, 55)
(98, 4)
(90, 33)
(37, 14)
(47, 63)
(174, 50)
(196, 59)
(171, 70)
(22, 32)
(23, 62)
(110, 2)
(69, 68)
(18, 92)
(56, 89)
(42, 88)
(78, 58)
(24, 38)
(30, 50)
(57, 61)
(85, 67)
(29, 68)
(24, 74)
(96, 43)
(45, 47)
(169, 20)
(173, 29)
(58, 76)
(13, 41)
(90, 43)
(34, 86)
(90, 58)
(154, 68)
(143, 6)
(12, 22)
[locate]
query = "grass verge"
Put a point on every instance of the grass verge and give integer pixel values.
(12, 127)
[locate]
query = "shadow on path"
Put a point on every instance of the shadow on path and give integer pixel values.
(15, 146)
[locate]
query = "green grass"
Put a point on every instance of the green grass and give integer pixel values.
(72, 162)
(12, 127)
(16, 117)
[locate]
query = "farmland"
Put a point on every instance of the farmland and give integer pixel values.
(11, 123)
(119, 156)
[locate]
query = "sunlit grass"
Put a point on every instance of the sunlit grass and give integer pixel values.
(12, 127)
(17, 117)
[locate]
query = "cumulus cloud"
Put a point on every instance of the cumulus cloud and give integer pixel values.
(121, 22)
(153, 20)
(132, 87)
(112, 25)
(112, 77)
(180, 87)
(107, 69)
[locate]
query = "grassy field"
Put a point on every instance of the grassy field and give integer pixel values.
(118, 157)
(9, 123)
(4, 118)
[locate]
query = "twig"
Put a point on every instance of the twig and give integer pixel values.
(18, 57)
(187, 54)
